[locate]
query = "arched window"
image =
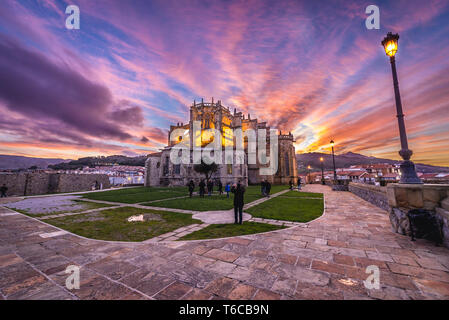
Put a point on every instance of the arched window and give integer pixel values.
(229, 165)
(287, 164)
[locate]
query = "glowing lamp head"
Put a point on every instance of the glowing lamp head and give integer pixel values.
(332, 143)
(390, 43)
(308, 167)
(321, 159)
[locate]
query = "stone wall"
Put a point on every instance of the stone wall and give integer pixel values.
(81, 182)
(404, 197)
(375, 195)
(26, 184)
(15, 182)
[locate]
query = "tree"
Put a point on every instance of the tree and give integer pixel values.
(206, 169)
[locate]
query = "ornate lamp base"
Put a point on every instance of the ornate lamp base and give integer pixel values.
(408, 173)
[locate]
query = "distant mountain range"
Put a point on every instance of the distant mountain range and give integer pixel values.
(348, 159)
(100, 161)
(313, 159)
(19, 162)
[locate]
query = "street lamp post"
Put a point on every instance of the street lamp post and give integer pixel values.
(333, 160)
(408, 173)
(322, 170)
(308, 173)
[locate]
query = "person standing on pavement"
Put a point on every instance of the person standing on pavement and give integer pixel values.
(238, 191)
(3, 190)
(220, 187)
(267, 188)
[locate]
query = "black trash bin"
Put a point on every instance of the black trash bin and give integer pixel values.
(425, 225)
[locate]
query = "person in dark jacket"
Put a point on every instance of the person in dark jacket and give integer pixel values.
(191, 186)
(299, 183)
(220, 187)
(3, 190)
(263, 188)
(267, 188)
(290, 183)
(238, 191)
(210, 187)
(202, 186)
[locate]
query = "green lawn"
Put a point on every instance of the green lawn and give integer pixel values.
(297, 194)
(113, 225)
(230, 230)
(289, 209)
(214, 202)
(138, 194)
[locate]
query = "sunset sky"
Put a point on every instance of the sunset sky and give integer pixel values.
(135, 67)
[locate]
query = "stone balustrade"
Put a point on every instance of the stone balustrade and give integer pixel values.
(375, 195)
(404, 197)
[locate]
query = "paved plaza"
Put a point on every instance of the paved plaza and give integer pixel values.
(323, 259)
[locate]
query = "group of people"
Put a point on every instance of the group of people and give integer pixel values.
(298, 183)
(210, 187)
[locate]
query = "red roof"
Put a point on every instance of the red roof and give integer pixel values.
(367, 175)
(390, 175)
(356, 173)
(375, 166)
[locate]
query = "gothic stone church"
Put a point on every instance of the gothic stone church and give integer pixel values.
(160, 171)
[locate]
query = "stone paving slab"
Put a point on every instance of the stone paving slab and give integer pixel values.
(219, 217)
(41, 205)
(77, 213)
(324, 259)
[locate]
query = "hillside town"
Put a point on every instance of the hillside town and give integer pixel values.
(375, 174)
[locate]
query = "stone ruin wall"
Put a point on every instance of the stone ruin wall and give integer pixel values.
(20, 184)
(15, 183)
